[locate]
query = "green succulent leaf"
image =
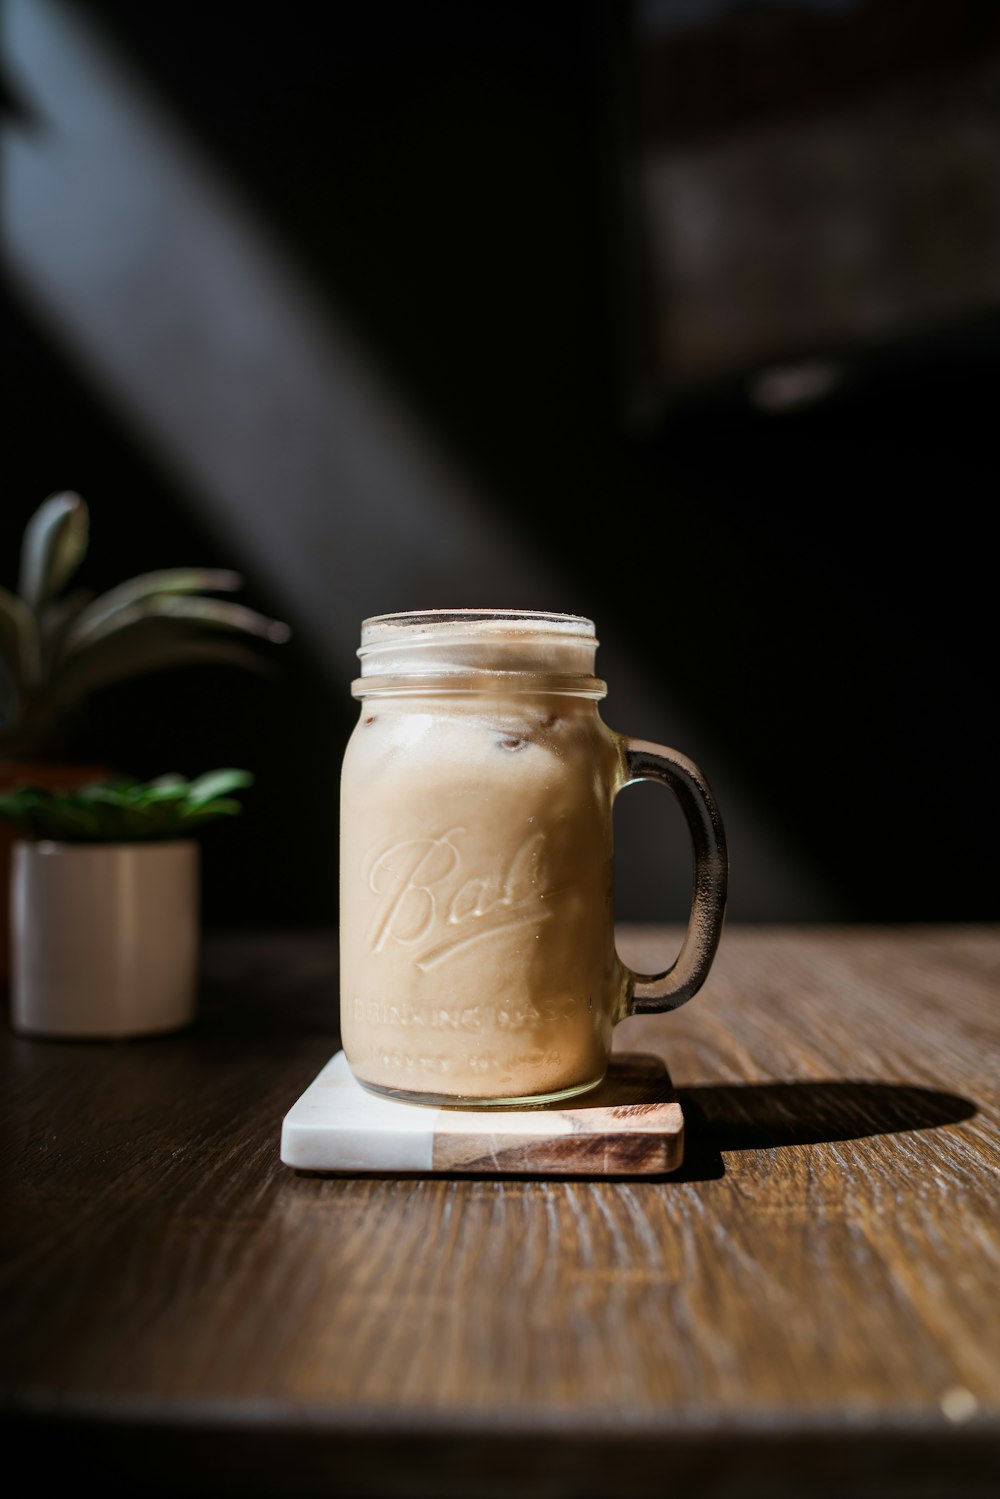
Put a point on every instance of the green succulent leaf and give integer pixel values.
(58, 645)
(54, 545)
(152, 646)
(121, 786)
(216, 783)
(212, 614)
(65, 819)
(18, 639)
(125, 810)
(166, 789)
(218, 614)
(102, 613)
(55, 620)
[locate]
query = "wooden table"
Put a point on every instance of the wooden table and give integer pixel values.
(810, 1305)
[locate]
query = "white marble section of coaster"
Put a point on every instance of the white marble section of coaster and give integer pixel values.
(337, 1125)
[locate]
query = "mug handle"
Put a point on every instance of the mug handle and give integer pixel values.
(652, 993)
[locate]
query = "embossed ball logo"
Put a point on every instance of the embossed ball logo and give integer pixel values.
(430, 903)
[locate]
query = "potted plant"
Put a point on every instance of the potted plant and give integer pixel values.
(105, 903)
(58, 645)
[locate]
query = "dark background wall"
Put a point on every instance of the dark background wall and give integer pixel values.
(517, 224)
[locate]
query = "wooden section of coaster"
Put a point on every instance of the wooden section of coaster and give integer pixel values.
(631, 1125)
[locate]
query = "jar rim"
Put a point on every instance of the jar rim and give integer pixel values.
(504, 619)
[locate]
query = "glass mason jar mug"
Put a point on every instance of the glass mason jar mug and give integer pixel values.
(478, 961)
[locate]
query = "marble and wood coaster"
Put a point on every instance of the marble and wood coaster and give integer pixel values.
(631, 1125)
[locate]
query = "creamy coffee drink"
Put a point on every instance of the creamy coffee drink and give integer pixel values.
(477, 935)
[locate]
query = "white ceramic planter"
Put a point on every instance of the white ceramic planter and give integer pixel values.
(104, 938)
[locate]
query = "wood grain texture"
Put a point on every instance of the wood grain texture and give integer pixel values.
(632, 1125)
(811, 1299)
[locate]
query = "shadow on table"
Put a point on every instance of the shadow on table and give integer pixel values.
(767, 1116)
(286, 986)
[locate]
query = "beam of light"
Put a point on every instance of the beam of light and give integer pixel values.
(194, 323)
(146, 266)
